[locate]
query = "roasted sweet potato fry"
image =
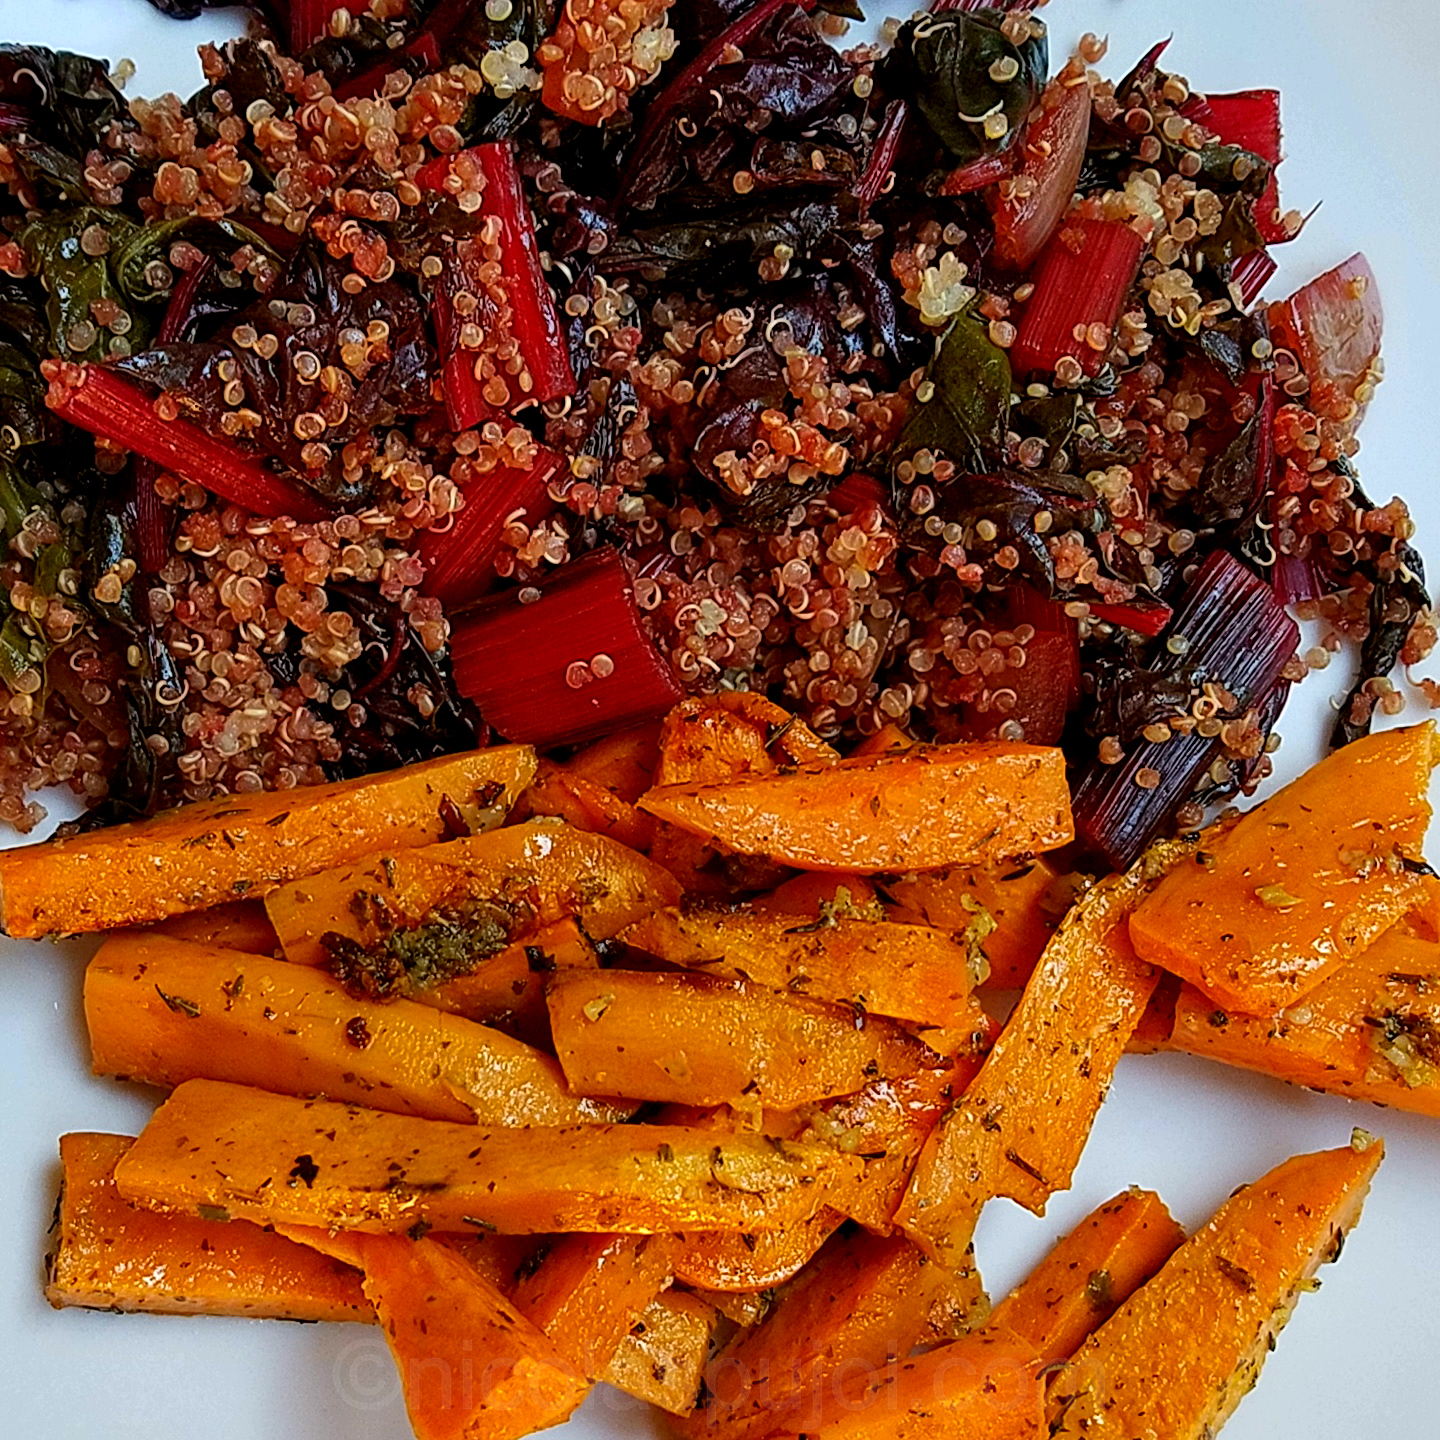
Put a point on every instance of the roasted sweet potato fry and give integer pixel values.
(886, 1124)
(696, 1040)
(165, 1011)
(624, 763)
(1020, 1127)
(908, 972)
(589, 1292)
(111, 1256)
(744, 1308)
(918, 809)
(1184, 1350)
(472, 1367)
(985, 1386)
(275, 1159)
(757, 1261)
(248, 845)
(1024, 901)
(807, 892)
(887, 739)
(475, 894)
(1090, 1273)
(1305, 881)
(508, 990)
(732, 733)
(1371, 1031)
(863, 1302)
(238, 925)
(663, 1358)
(557, 790)
(712, 739)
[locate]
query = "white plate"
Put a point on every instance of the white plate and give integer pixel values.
(1357, 1359)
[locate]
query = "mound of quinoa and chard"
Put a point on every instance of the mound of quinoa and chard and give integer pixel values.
(795, 415)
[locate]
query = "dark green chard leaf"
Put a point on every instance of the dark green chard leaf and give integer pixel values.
(1010, 501)
(1399, 598)
(25, 419)
(57, 107)
(968, 413)
(947, 63)
(135, 259)
(1238, 235)
(75, 281)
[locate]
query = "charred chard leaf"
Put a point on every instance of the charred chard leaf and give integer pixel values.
(316, 325)
(25, 419)
(967, 414)
(1129, 697)
(946, 64)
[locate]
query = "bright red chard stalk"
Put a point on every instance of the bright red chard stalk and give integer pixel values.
(534, 319)
(1236, 634)
(1081, 283)
(310, 19)
(104, 403)
(1251, 273)
(574, 664)
(1144, 617)
(152, 536)
(460, 561)
(1251, 120)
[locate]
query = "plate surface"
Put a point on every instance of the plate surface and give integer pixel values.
(1357, 1358)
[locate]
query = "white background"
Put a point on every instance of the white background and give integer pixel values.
(1359, 1357)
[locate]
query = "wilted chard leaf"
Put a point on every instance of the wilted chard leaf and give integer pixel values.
(314, 323)
(1010, 501)
(967, 414)
(948, 63)
(57, 108)
(76, 280)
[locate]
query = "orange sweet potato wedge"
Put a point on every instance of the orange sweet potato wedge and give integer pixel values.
(696, 1040)
(1305, 881)
(238, 925)
(918, 809)
(713, 739)
(589, 1291)
(624, 763)
(908, 972)
(558, 791)
(484, 891)
(807, 892)
(216, 1149)
(111, 1256)
(1371, 1031)
(864, 1302)
(1024, 902)
(1020, 1127)
(984, 1386)
(240, 846)
(507, 991)
(165, 1011)
(1184, 1350)
(662, 1360)
(471, 1366)
(1090, 1273)
(754, 1262)
(886, 1124)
